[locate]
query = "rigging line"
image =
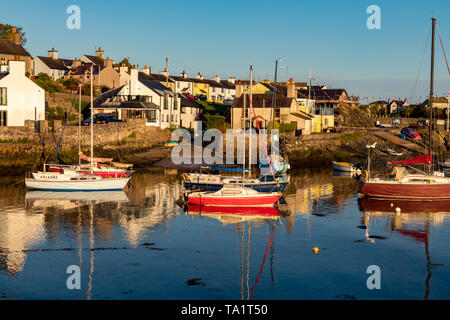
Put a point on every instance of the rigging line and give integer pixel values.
(420, 66)
(269, 245)
(262, 140)
(64, 128)
(443, 50)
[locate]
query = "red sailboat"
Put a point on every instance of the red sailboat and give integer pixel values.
(418, 186)
(230, 196)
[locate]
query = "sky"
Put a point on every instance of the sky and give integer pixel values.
(328, 38)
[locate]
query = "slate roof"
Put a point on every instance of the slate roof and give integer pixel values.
(10, 47)
(59, 64)
(80, 70)
(188, 102)
(317, 93)
(95, 59)
(264, 100)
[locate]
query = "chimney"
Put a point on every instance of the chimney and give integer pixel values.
(100, 53)
(291, 90)
(16, 68)
(216, 79)
(76, 63)
(53, 54)
(199, 76)
(134, 74)
(231, 80)
(14, 36)
(239, 89)
(146, 70)
(108, 63)
(183, 74)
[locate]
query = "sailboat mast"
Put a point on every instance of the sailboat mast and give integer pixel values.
(79, 127)
(92, 119)
(251, 125)
(430, 100)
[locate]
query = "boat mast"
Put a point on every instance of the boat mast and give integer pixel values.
(245, 135)
(430, 100)
(92, 120)
(251, 125)
(79, 127)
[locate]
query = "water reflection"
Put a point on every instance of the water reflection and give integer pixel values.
(235, 252)
(411, 219)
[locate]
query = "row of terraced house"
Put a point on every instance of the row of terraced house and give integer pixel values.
(162, 99)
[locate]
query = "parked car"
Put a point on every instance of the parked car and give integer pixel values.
(330, 129)
(202, 97)
(190, 96)
(228, 101)
(409, 133)
(101, 118)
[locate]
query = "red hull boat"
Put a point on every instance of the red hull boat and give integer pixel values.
(419, 187)
(241, 211)
(234, 196)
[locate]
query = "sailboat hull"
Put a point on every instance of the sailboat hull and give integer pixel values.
(260, 187)
(425, 191)
(94, 185)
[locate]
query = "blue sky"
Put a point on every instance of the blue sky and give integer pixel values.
(330, 38)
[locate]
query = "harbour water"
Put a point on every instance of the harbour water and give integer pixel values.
(140, 244)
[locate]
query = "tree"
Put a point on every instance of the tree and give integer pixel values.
(6, 29)
(125, 62)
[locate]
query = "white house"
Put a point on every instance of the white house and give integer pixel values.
(183, 84)
(20, 98)
(51, 65)
(142, 97)
(220, 90)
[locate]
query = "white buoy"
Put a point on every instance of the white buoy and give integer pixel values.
(398, 210)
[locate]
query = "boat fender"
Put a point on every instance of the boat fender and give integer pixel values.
(366, 174)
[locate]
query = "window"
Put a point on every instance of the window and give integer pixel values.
(3, 60)
(151, 116)
(3, 97)
(166, 103)
(277, 112)
(3, 119)
(214, 89)
(175, 104)
(167, 118)
(171, 118)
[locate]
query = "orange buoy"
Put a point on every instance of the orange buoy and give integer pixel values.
(315, 250)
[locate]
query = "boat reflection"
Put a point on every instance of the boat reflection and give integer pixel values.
(412, 221)
(232, 215)
(70, 200)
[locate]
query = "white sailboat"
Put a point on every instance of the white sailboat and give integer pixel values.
(70, 179)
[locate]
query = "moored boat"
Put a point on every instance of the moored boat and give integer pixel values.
(345, 166)
(214, 182)
(234, 196)
(73, 181)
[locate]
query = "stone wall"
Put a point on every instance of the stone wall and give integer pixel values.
(104, 134)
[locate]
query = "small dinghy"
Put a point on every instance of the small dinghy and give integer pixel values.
(392, 152)
(345, 166)
(234, 196)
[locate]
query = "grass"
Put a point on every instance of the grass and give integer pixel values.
(22, 140)
(351, 136)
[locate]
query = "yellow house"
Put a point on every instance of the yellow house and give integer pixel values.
(200, 87)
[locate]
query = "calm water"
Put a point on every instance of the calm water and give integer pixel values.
(139, 244)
